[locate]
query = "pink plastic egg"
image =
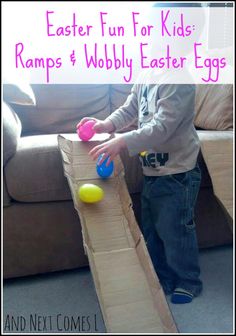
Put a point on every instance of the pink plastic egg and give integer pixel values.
(85, 131)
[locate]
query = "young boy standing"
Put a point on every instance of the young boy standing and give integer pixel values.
(169, 146)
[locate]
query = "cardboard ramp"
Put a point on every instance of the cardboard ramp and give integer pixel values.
(129, 293)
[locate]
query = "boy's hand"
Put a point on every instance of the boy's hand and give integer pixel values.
(100, 126)
(110, 148)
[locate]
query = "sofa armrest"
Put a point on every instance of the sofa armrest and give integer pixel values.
(11, 132)
(217, 151)
(6, 196)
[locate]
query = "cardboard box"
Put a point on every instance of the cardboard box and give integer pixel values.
(130, 295)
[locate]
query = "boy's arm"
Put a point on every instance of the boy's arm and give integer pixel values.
(127, 113)
(175, 102)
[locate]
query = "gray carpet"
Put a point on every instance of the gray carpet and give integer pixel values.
(66, 301)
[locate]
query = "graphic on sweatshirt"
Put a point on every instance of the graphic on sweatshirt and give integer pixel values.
(144, 103)
(148, 158)
(144, 114)
(154, 160)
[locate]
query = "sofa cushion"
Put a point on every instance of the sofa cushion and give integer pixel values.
(118, 95)
(18, 93)
(214, 107)
(35, 172)
(11, 132)
(60, 107)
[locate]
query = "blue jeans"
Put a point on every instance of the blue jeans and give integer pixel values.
(168, 228)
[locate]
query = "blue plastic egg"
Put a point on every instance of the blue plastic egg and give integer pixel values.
(103, 170)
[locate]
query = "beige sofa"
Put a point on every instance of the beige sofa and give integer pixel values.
(41, 229)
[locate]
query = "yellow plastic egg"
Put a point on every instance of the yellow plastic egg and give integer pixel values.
(90, 193)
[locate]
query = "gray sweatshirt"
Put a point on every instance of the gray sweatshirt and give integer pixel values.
(166, 140)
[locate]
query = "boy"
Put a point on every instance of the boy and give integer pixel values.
(169, 146)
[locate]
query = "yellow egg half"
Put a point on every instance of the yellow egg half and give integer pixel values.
(90, 193)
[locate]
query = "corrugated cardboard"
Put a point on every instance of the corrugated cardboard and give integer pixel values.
(128, 289)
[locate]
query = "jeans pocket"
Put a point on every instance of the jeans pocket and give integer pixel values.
(161, 187)
(180, 179)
